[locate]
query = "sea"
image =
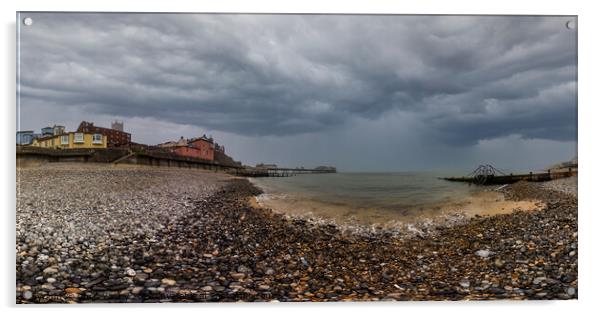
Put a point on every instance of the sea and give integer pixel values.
(369, 198)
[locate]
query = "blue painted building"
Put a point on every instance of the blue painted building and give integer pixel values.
(25, 137)
(48, 131)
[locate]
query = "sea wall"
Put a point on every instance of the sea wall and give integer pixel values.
(28, 156)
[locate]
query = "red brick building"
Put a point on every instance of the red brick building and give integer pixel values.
(205, 146)
(200, 148)
(187, 151)
(115, 138)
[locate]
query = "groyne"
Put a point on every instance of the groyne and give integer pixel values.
(511, 178)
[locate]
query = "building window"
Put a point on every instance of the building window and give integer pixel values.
(78, 138)
(97, 139)
(65, 140)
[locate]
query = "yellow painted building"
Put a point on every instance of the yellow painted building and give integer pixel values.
(72, 140)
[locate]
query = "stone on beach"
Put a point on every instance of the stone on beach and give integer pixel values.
(484, 253)
(168, 282)
(158, 235)
(27, 295)
(50, 270)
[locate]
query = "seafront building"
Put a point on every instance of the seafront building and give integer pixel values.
(47, 131)
(116, 137)
(58, 130)
(88, 135)
(199, 147)
(205, 147)
(172, 144)
(25, 137)
(72, 140)
(53, 130)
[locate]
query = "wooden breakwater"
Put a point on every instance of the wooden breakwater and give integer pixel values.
(512, 178)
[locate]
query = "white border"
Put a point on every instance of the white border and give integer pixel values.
(589, 148)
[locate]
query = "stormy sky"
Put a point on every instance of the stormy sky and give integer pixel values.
(361, 92)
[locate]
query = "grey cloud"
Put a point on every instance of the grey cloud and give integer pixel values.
(467, 78)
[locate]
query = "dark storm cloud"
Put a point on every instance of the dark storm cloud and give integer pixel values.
(466, 78)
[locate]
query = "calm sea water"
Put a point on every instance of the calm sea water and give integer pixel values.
(396, 193)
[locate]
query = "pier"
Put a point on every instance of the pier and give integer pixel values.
(279, 172)
(488, 175)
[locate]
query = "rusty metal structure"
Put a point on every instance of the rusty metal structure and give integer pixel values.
(489, 175)
(483, 173)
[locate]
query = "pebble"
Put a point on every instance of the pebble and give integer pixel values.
(571, 291)
(136, 290)
(50, 270)
(27, 295)
(263, 287)
(499, 262)
(539, 280)
(48, 286)
(169, 282)
(483, 253)
(202, 233)
(73, 290)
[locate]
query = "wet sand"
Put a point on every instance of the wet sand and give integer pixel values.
(485, 203)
